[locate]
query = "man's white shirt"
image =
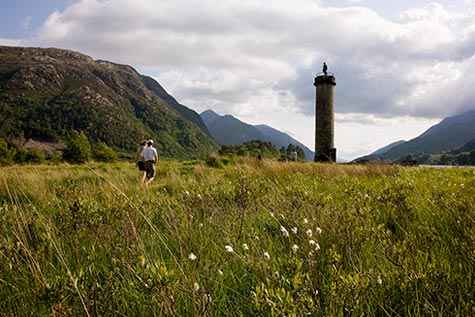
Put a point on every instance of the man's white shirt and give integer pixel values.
(150, 154)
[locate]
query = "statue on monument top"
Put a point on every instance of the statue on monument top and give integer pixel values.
(325, 68)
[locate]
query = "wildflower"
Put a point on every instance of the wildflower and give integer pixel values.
(245, 246)
(201, 225)
(187, 193)
(199, 196)
(266, 255)
(284, 231)
(229, 249)
(309, 232)
(305, 220)
(312, 242)
(316, 292)
(220, 272)
(192, 256)
(319, 230)
(317, 247)
(196, 286)
(294, 230)
(295, 248)
(380, 281)
(256, 237)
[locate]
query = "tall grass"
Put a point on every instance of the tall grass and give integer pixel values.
(307, 239)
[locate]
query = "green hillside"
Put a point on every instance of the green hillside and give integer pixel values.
(45, 94)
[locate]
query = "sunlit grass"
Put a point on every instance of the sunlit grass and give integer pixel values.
(251, 238)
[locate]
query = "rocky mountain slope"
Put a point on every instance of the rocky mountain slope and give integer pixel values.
(186, 112)
(228, 130)
(47, 93)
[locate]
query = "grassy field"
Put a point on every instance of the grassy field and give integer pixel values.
(249, 239)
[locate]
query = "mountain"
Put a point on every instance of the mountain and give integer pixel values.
(186, 112)
(228, 130)
(468, 147)
(386, 148)
(45, 94)
(450, 134)
(281, 139)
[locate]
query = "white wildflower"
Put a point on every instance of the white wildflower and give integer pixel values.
(266, 255)
(229, 248)
(207, 298)
(192, 256)
(305, 220)
(196, 286)
(380, 280)
(284, 231)
(201, 225)
(319, 230)
(295, 230)
(245, 246)
(220, 272)
(187, 193)
(317, 247)
(199, 196)
(295, 248)
(312, 242)
(309, 232)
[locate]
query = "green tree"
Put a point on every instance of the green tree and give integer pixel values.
(104, 153)
(78, 149)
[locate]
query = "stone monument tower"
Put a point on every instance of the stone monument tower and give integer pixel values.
(324, 117)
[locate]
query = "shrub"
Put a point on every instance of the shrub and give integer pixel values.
(6, 153)
(213, 161)
(104, 153)
(78, 148)
(35, 156)
(29, 156)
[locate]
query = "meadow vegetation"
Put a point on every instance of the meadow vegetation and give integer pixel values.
(249, 238)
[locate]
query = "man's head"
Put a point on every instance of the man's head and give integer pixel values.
(150, 142)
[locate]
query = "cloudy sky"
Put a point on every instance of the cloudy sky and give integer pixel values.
(400, 65)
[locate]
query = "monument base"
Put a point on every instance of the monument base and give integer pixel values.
(328, 156)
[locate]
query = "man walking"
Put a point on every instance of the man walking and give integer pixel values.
(150, 157)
